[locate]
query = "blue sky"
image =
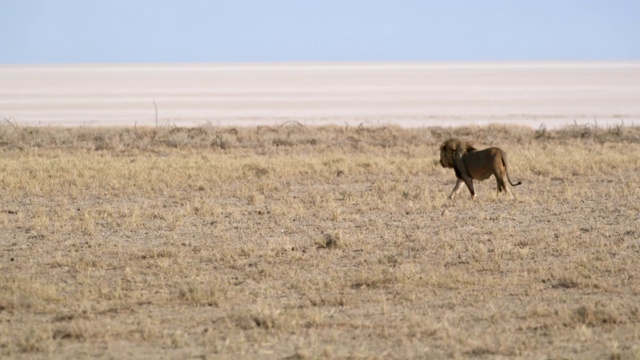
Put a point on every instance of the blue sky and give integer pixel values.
(162, 31)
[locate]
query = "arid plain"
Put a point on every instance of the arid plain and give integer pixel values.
(285, 239)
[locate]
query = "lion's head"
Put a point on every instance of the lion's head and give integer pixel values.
(451, 149)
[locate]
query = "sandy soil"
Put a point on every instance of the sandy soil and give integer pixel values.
(300, 242)
(406, 94)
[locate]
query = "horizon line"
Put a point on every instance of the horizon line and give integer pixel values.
(336, 63)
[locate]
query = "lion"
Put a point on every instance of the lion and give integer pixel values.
(470, 163)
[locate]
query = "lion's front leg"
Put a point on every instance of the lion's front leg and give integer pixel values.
(469, 182)
(457, 188)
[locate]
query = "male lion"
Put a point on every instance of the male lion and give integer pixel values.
(469, 164)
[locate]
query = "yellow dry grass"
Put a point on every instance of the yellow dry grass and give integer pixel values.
(329, 242)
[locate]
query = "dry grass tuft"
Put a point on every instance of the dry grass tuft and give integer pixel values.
(330, 242)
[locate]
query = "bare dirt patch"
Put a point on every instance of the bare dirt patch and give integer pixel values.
(304, 242)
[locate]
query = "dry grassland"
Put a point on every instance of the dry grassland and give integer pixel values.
(331, 242)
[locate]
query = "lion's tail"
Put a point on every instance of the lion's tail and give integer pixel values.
(506, 169)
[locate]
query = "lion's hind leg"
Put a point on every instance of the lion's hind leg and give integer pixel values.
(500, 172)
(502, 185)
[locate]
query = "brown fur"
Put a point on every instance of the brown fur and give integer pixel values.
(470, 163)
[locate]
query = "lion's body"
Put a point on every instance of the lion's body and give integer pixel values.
(470, 164)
